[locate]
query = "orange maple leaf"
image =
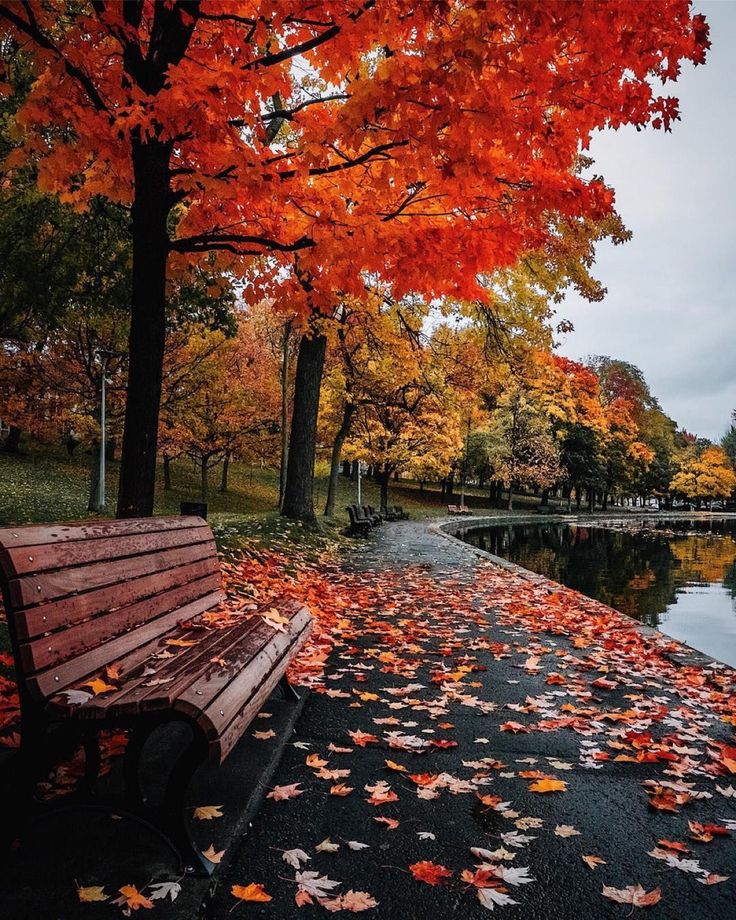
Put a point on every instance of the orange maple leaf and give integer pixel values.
(251, 892)
(429, 872)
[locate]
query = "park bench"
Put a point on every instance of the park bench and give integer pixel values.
(453, 509)
(370, 512)
(394, 513)
(359, 524)
(131, 603)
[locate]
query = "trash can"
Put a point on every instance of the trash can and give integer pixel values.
(198, 509)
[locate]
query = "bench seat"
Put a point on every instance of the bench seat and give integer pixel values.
(220, 681)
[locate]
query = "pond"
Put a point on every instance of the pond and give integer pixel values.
(678, 575)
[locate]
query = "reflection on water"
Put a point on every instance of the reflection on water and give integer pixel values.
(678, 575)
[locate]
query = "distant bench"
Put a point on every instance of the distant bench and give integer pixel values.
(123, 601)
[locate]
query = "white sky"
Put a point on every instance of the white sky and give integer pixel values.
(672, 289)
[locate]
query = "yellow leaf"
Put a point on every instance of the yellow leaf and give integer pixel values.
(181, 643)
(250, 892)
(208, 812)
(91, 893)
(395, 766)
(98, 686)
(548, 785)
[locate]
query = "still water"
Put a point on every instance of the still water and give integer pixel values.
(678, 575)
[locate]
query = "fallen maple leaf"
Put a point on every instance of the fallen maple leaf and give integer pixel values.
(264, 736)
(565, 830)
(429, 872)
(490, 897)
(314, 884)
(314, 760)
(548, 785)
(163, 890)
(89, 893)
(132, 899)
(341, 789)
(295, 857)
(327, 846)
(98, 686)
(592, 862)
(356, 901)
(633, 894)
(208, 812)
(251, 892)
(391, 823)
(399, 768)
(282, 793)
(362, 738)
(514, 727)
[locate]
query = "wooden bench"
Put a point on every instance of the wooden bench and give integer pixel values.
(359, 525)
(128, 602)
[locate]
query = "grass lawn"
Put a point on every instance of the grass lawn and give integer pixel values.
(44, 485)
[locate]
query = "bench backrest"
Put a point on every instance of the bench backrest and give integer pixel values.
(79, 596)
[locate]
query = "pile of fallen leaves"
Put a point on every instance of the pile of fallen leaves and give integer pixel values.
(429, 639)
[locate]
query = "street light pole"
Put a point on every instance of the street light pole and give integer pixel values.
(360, 466)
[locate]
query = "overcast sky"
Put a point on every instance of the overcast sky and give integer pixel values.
(672, 289)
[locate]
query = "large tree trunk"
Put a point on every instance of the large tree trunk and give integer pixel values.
(11, 444)
(152, 202)
(299, 492)
(342, 432)
(285, 344)
(383, 479)
(203, 487)
(225, 471)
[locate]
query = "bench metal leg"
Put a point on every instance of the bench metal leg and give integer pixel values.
(174, 817)
(289, 692)
(92, 760)
(137, 738)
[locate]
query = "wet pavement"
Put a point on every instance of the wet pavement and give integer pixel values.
(429, 668)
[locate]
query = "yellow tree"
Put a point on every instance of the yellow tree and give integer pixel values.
(704, 474)
(406, 415)
(523, 447)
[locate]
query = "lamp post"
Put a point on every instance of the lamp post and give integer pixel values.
(360, 470)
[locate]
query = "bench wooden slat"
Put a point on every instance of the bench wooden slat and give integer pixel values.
(178, 670)
(35, 559)
(46, 618)
(56, 585)
(225, 706)
(221, 745)
(53, 649)
(40, 534)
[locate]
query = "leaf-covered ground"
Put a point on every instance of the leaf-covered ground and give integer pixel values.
(475, 740)
(483, 741)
